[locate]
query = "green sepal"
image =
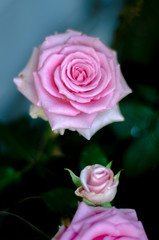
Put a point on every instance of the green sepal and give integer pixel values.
(106, 205)
(75, 179)
(116, 177)
(109, 165)
(89, 203)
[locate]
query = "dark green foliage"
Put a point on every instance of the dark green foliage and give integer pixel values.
(61, 200)
(92, 154)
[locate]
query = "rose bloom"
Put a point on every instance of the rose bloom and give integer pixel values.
(74, 81)
(98, 184)
(98, 223)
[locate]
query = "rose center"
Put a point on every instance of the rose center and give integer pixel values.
(79, 74)
(99, 173)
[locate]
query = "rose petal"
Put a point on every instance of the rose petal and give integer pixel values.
(90, 183)
(58, 121)
(124, 88)
(46, 74)
(84, 85)
(46, 54)
(99, 83)
(93, 106)
(97, 198)
(102, 119)
(99, 223)
(100, 229)
(85, 175)
(121, 88)
(87, 50)
(64, 90)
(91, 42)
(89, 71)
(51, 103)
(25, 81)
(58, 39)
(60, 232)
(80, 58)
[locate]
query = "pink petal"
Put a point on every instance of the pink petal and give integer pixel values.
(46, 74)
(60, 233)
(83, 212)
(58, 39)
(100, 83)
(102, 119)
(64, 90)
(51, 103)
(44, 55)
(79, 57)
(121, 88)
(125, 90)
(71, 68)
(58, 121)
(72, 61)
(118, 84)
(91, 42)
(25, 81)
(85, 175)
(105, 64)
(87, 50)
(94, 106)
(97, 188)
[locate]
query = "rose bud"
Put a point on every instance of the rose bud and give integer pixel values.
(75, 82)
(99, 185)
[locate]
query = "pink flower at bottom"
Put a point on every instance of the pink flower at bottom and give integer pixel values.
(98, 223)
(74, 81)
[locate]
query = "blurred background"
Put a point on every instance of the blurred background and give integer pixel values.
(33, 183)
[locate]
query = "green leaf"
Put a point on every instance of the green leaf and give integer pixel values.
(61, 200)
(137, 119)
(91, 155)
(142, 155)
(75, 179)
(109, 164)
(148, 93)
(14, 146)
(136, 37)
(8, 177)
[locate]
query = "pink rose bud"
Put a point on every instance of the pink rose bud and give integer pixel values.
(99, 223)
(98, 184)
(74, 81)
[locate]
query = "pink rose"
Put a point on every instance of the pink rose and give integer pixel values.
(98, 184)
(98, 223)
(75, 82)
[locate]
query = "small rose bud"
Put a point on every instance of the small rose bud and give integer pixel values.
(98, 184)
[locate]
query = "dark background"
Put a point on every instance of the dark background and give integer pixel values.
(36, 193)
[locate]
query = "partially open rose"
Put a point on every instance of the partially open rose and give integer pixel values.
(98, 223)
(75, 82)
(98, 184)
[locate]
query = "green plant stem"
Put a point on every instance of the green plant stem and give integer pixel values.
(40, 151)
(26, 222)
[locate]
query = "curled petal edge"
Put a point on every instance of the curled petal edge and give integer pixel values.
(98, 198)
(25, 82)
